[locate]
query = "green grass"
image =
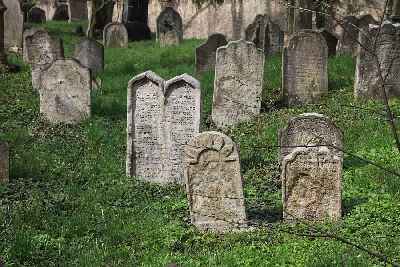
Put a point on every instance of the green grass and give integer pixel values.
(69, 202)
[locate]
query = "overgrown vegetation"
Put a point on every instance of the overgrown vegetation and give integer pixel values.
(69, 202)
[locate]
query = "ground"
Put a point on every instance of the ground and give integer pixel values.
(69, 202)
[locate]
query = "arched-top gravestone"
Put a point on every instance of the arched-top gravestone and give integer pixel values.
(238, 83)
(90, 54)
(115, 35)
(214, 183)
(162, 117)
(13, 27)
(305, 68)
(206, 53)
(65, 92)
(169, 27)
(4, 162)
(36, 15)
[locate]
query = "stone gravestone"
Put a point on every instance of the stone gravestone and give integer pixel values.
(169, 27)
(13, 27)
(77, 10)
(214, 183)
(115, 35)
(162, 118)
(305, 68)
(65, 92)
(40, 50)
(311, 184)
(36, 15)
(331, 41)
(276, 38)
(368, 84)
(238, 83)
(4, 162)
(348, 40)
(258, 32)
(90, 54)
(206, 53)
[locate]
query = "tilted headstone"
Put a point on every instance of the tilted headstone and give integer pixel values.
(368, 84)
(206, 53)
(348, 40)
(115, 35)
(4, 162)
(305, 68)
(90, 54)
(238, 83)
(258, 32)
(65, 92)
(36, 15)
(13, 27)
(311, 185)
(162, 118)
(169, 27)
(77, 10)
(214, 183)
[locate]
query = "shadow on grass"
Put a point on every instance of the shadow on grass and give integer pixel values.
(351, 203)
(265, 214)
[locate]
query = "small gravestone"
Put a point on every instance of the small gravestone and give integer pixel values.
(13, 27)
(214, 183)
(4, 162)
(90, 54)
(311, 185)
(138, 31)
(162, 118)
(65, 92)
(206, 53)
(368, 84)
(331, 41)
(258, 32)
(115, 35)
(40, 50)
(238, 83)
(36, 15)
(348, 40)
(77, 10)
(305, 68)
(169, 27)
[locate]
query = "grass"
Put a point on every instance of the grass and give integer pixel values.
(69, 202)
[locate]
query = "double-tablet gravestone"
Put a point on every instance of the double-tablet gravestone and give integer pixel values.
(214, 183)
(115, 35)
(4, 162)
(162, 118)
(169, 27)
(206, 53)
(238, 83)
(305, 68)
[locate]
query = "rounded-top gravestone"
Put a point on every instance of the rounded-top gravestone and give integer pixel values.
(206, 53)
(36, 15)
(169, 27)
(90, 54)
(115, 35)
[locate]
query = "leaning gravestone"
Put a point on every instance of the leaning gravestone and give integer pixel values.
(311, 184)
(206, 53)
(4, 162)
(169, 27)
(258, 32)
(36, 15)
(368, 84)
(90, 54)
(13, 27)
(115, 35)
(305, 68)
(40, 50)
(238, 83)
(214, 183)
(162, 118)
(65, 92)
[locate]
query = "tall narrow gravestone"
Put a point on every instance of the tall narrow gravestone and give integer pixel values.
(305, 68)
(115, 35)
(13, 27)
(90, 54)
(214, 183)
(368, 84)
(169, 27)
(238, 83)
(206, 53)
(162, 118)
(65, 92)
(4, 162)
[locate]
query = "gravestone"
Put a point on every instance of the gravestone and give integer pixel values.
(238, 83)
(13, 27)
(138, 31)
(162, 118)
(311, 184)
(169, 27)
(40, 50)
(90, 54)
(348, 40)
(276, 38)
(61, 13)
(214, 183)
(331, 41)
(305, 68)
(4, 162)
(368, 84)
(310, 130)
(115, 35)
(36, 15)
(65, 92)
(258, 32)
(206, 53)
(77, 10)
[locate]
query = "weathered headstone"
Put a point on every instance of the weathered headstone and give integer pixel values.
(36, 15)
(258, 32)
(169, 27)
(331, 41)
(368, 84)
(206, 53)
(13, 27)
(90, 54)
(115, 35)
(65, 92)
(311, 184)
(214, 183)
(238, 83)
(348, 40)
(162, 118)
(77, 10)
(4, 162)
(305, 68)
